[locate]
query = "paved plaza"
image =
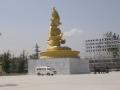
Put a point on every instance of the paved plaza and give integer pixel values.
(109, 81)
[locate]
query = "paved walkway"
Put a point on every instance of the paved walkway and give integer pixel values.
(109, 81)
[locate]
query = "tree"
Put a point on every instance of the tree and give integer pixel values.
(6, 61)
(21, 66)
(22, 62)
(36, 54)
(37, 51)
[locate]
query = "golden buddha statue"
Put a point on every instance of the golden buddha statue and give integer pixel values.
(55, 36)
(55, 39)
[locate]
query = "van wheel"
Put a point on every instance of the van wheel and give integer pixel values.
(38, 74)
(48, 74)
(52, 74)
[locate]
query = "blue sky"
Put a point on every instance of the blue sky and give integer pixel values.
(25, 22)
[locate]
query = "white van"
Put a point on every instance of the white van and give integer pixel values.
(45, 70)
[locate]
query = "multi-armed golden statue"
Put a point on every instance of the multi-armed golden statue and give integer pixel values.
(55, 36)
(55, 50)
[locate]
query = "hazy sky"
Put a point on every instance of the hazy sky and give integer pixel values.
(25, 22)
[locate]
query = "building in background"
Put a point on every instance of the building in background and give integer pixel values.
(104, 51)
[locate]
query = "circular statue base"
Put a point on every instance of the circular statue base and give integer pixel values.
(59, 54)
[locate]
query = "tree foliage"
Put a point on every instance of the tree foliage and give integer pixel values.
(13, 64)
(5, 59)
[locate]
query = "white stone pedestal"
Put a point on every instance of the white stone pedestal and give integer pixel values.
(61, 65)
